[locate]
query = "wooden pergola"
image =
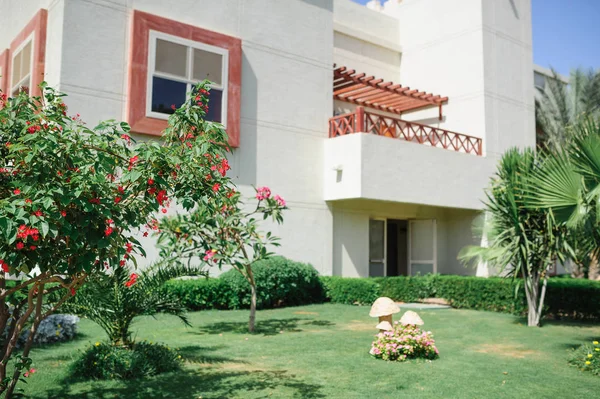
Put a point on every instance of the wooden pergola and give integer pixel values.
(368, 91)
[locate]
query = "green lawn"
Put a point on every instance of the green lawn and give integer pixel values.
(321, 351)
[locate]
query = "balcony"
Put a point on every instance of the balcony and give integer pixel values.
(361, 121)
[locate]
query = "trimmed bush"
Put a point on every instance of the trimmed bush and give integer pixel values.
(106, 362)
(201, 294)
(352, 291)
(565, 298)
(279, 282)
(406, 288)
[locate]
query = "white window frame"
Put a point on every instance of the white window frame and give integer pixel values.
(30, 39)
(191, 45)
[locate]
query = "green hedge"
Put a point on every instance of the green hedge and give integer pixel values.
(279, 282)
(351, 291)
(565, 298)
(282, 282)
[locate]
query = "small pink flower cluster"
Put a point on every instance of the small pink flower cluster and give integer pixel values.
(264, 193)
(404, 342)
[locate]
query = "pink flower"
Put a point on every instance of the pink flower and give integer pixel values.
(209, 254)
(262, 193)
(280, 201)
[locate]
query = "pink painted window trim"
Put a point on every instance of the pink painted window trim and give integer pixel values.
(138, 71)
(36, 26)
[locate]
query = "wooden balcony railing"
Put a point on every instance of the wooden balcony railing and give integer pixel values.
(361, 121)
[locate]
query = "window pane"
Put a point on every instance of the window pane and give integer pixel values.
(22, 87)
(166, 93)
(171, 58)
(26, 60)
(16, 73)
(215, 106)
(208, 66)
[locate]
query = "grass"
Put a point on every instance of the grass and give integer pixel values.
(321, 351)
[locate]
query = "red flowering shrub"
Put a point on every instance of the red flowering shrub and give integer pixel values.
(71, 195)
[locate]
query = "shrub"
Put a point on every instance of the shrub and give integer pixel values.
(406, 288)
(494, 293)
(404, 342)
(105, 361)
(201, 294)
(587, 358)
(279, 282)
(352, 291)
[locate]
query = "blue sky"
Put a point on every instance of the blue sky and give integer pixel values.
(566, 33)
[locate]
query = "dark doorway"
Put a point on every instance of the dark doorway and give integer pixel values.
(397, 248)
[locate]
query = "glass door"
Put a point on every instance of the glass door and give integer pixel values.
(422, 247)
(377, 243)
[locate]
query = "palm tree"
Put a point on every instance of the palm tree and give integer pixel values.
(522, 242)
(113, 300)
(568, 183)
(559, 105)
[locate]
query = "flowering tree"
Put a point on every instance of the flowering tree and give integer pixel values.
(70, 197)
(229, 237)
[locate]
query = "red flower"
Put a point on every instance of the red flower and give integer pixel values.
(20, 245)
(27, 201)
(150, 182)
(16, 191)
(152, 190)
(4, 266)
(230, 193)
(121, 190)
(117, 200)
(173, 107)
(132, 280)
(32, 247)
(132, 162)
(63, 213)
(126, 138)
(122, 263)
(163, 210)
(145, 234)
(161, 197)
(38, 213)
(216, 187)
(108, 231)
(128, 247)
(73, 291)
(94, 201)
(209, 254)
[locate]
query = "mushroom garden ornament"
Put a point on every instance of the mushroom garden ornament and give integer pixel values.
(384, 308)
(411, 318)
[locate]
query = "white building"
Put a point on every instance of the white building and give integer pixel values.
(399, 199)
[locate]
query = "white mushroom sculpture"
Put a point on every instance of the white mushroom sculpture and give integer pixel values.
(411, 318)
(384, 308)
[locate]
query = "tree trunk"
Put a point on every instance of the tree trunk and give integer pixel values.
(535, 298)
(252, 320)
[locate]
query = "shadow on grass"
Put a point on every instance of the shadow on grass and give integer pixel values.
(264, 327)
(559, 322)
(198, 354)
(210, 384)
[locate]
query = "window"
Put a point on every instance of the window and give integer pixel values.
(539, 80)
(175, 65)
(166, 59)
(22, 65)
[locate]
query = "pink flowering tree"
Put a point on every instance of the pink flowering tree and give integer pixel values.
(71, 198)
(230, 237)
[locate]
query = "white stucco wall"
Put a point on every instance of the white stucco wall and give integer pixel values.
(286, 94)
(377, 167)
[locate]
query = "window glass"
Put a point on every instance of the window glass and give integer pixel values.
(171, 58)
(21, 71)
(166, 93)
(539, 80)
(207, 65)
(215, 106)
(178, 66)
